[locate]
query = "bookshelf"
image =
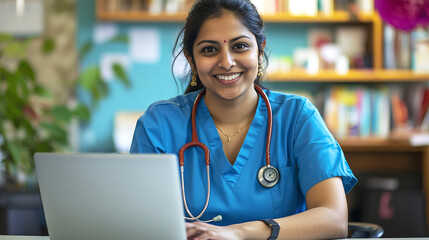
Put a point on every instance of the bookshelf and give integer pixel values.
(356, 76)
(363, 154)
(136, 16)
(133, 15)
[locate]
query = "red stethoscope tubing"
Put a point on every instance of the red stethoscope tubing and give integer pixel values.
(196, 143)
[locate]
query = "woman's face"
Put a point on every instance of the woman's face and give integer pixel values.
(226, 57)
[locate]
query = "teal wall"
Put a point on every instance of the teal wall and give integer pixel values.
(154, 81)
(150, 82)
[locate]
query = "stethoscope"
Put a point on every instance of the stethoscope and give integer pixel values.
(268, 176)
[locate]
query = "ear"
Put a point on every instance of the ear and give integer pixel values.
(263, 44)
(190, 61)
(261, 56)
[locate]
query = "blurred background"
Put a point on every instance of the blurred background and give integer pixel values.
(76, 74)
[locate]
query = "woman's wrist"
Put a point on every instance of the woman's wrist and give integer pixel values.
(251, 230)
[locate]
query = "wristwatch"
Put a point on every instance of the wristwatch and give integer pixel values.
(275, 228)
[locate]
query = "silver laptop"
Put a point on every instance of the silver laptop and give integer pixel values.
(111, 196)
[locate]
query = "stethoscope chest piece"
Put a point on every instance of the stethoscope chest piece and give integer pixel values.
(268, 176)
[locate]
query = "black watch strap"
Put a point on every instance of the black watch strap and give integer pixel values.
(275, 228)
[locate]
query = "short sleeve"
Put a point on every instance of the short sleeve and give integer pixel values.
(317, 154)
(148, 134)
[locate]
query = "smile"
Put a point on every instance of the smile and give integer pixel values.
(228, 77)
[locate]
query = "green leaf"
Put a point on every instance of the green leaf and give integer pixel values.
(82, 112)
(121, 74)
(103, 88)
(15, 152)
(48, 46)
(24, 123)
(43, 147)
(121, 38)
(61, 113)
(12, 86)
(15, 114)
(5, 37)
(56, 133)
(21, 156)
(89, 78)
(95, 93)
(14, 49)
(25, 69)
(23, 87)
(85, 49)
(42, 92)
(4, 74)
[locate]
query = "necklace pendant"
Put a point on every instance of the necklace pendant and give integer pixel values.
(229, 138)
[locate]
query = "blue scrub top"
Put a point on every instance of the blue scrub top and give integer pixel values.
(302, 149)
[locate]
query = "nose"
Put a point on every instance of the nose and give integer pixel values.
(226, 60)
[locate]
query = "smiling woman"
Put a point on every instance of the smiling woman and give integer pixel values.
(226, 69)
(272, 169)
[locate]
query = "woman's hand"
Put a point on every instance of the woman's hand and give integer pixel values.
(202, 231)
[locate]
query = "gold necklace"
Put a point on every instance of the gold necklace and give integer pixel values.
(235, 134)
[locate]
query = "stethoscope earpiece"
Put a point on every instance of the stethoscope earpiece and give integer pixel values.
(268, 176)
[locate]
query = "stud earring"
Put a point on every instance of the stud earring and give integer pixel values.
(260, 71)
(194, 80)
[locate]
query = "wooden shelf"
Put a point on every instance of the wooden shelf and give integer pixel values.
(357, 76)
(377, 144)
(337, 17)
(131, 16)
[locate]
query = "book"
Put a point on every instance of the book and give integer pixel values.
(423, 107)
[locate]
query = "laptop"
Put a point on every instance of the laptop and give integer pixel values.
(111, 196)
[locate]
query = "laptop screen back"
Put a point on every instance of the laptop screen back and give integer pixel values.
(111, 196)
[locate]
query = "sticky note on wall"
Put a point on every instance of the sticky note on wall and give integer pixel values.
(145, 45)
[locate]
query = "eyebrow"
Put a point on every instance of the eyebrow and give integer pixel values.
(216, 42)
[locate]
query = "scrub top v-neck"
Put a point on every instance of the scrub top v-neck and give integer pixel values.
(302, 149)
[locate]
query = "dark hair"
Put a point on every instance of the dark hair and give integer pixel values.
(244, 10)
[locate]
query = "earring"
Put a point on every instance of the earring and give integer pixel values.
(260, 71)
(194, 80)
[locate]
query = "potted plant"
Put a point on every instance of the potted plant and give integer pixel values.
(30, 118)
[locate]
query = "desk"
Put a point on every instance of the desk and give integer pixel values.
(21, 213)
(9, 237)
(3, 237)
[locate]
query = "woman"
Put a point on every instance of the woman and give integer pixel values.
(223, 41)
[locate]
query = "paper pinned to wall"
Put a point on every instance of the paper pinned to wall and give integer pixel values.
(145, 45)
(107, 61)
(103, 32)
(125, 123)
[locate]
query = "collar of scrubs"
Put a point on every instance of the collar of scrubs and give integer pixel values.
(257, 130)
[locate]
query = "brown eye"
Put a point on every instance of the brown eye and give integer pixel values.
(208, 50)
(241, 46)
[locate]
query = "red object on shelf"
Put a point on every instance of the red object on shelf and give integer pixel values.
(424, 107)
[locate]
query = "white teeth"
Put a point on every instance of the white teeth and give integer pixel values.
(229, 77)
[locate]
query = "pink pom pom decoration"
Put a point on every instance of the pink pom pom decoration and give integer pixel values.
(404, 14)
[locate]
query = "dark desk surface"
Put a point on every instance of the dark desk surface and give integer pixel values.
(3, 237)
(30, 199)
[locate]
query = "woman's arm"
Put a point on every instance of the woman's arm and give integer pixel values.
(326, 218)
